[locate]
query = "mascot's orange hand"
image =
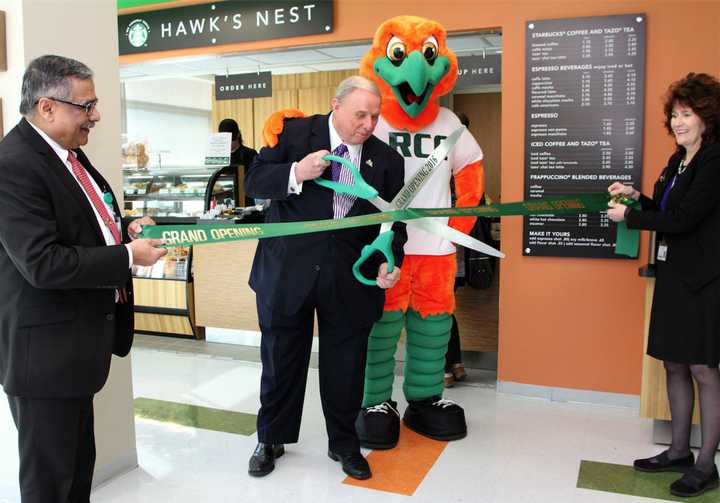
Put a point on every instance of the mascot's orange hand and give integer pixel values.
(469, 188)
(275, 124)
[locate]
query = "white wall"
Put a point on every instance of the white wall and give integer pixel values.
(190, 93)
(85, 30)
(172, 117)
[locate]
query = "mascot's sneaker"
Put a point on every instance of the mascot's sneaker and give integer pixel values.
(436, 418)
(378, 427)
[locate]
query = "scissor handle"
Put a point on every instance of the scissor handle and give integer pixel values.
(383, 244)
(360, 188)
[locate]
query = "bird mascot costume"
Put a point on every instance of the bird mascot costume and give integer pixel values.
(413, 67)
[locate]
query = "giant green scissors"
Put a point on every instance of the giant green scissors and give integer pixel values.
(383, 243)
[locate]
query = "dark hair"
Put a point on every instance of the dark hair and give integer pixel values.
(50, 76)
(230, 126)
(463, 119)
(701, 92)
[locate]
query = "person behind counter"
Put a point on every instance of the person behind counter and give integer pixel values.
(296, 276)
(64, 279)
(240, 155)
(685, 314)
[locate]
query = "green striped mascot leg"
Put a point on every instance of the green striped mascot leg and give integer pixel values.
(378, 424)
(427, 413)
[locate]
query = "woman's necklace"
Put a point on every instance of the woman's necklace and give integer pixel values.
(682, 167)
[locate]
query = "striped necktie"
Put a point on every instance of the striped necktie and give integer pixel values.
(84, 178)
(341, 202)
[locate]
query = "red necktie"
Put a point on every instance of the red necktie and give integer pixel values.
(82, 175)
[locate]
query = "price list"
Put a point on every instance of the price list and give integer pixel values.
(583, 124)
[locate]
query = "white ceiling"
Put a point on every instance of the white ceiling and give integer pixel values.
(302, 60)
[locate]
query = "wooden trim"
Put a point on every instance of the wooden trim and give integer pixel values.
(163, 323)
(162, 310)
(310, 92)
(3, 50)
(160, 293)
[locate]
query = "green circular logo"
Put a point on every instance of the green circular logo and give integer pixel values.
(137, 33)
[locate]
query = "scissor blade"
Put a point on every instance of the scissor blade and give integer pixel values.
(382, 205)
(455, 236)
(442, 230)
(403, 198)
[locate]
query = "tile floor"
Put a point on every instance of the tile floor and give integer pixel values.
(518, 449)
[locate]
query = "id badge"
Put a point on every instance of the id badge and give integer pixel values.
(662, 252)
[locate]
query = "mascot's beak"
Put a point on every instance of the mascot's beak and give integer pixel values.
(413, 80)
(415, 69)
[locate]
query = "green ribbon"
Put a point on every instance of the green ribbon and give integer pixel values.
(627, 241)
(184, 235)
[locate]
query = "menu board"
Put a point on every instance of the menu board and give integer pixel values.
(584, 105)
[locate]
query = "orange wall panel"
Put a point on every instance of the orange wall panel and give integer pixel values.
(573, 323)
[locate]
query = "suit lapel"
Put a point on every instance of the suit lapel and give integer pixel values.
(57, 167)
(320, 138)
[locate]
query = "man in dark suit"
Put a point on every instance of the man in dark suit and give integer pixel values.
(64, 279)
(297, 276)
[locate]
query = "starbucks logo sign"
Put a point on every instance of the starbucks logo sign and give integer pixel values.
(137, 33)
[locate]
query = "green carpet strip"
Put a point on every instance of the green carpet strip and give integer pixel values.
(195, 416)
(621, 479)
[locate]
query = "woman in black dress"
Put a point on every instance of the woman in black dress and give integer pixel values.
(685, 316)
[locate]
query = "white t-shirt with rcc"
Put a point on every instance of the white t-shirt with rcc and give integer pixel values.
(416, 148)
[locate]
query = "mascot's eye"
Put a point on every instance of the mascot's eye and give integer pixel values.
(430, 49)
(396, 50)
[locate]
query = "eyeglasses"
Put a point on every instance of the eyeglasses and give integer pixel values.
(88, 107)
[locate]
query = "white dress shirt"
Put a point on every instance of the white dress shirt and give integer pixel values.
(355, 152)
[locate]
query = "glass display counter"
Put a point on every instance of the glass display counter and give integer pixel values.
(170, 192)
(165, 293)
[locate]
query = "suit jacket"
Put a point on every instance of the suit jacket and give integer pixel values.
(59, 323)
(285, 268)
(691, 223)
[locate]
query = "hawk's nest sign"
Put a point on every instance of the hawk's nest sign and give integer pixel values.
(219, 23)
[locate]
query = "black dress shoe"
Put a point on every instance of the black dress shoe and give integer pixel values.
(378, 427)
(263, 459)
(354, 464)
(662, 463)
(695, 482)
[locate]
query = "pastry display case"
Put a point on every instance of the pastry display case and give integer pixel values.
(169, 192)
